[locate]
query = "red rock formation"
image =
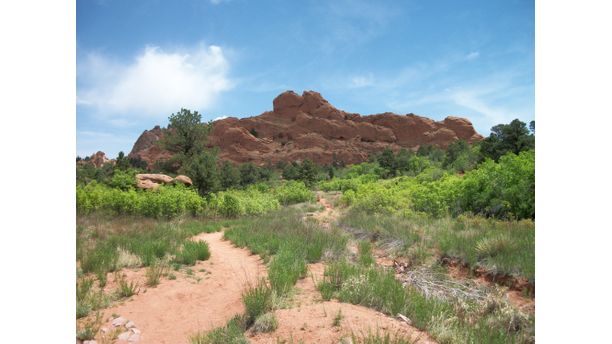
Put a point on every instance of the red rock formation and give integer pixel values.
(98, 159)
(309, 127)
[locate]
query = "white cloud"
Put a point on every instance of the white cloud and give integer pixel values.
(472, 56)
(362, 81)
(219, 118)
(155, 84)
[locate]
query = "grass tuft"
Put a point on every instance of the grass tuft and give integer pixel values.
(125, 288)
(257, 301)
(154, 273)
(265, 323)
(232, 333)
(192, 251)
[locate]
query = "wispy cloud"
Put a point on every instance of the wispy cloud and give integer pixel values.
(488, 101)
(154, 84)
(362, 81)
(350, 23)
(472, 56)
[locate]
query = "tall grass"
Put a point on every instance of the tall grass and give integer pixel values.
(89, 299)
(500, 246)
(447, 321)
(257, 301)
(232, 333)
(105, 245)
(290, 240)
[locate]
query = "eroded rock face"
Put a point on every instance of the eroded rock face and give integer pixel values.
(184, 179)
(152, 181)
(98, 159)
(308, 127)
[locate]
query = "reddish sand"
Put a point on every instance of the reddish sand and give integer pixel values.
(175, 309)
(310, 320)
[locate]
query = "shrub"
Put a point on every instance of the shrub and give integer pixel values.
(293, 192)
(166, 201)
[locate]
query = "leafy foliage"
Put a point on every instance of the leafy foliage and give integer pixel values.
(504, 138)
(505, 189)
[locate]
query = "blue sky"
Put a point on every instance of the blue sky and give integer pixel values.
(140, 61)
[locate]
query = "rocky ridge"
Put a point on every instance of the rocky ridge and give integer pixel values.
(307, 126)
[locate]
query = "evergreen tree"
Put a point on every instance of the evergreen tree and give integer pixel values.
(230, 175)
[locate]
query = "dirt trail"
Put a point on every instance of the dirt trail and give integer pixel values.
(310, 320)
(176, 309)
(328, 215)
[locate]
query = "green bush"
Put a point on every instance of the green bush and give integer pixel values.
(166, 201)
(293, 192)
(505, 189)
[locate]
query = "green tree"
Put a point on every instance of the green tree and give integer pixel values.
(386, 160)
(203, 171)
(248, 174)
(122, 162)
(186, 136)
(230, 175)
(403, 160)
(137, 163)
(505, 138)
(291, 171)
(308, 172)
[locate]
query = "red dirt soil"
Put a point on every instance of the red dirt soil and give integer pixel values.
(310, 320)
(176, 309)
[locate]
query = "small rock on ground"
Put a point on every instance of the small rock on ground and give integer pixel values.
(119, 321)
(134, 337)
(130, 324)
(124, 336)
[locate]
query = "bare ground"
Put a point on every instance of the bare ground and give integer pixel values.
(310, 320)
(176, 309)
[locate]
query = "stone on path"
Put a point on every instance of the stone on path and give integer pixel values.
(119, 321)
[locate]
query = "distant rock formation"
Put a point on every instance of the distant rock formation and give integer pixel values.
(98, 159)
(309, 127)
(154, 180)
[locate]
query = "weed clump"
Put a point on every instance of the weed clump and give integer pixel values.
(125, 288)
(257, 301)
(232, 333)
(192, 251)
(265, 323)
(154, 273)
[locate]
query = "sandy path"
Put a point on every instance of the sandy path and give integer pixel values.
(328, 215)
(310, 320)
(176, 309)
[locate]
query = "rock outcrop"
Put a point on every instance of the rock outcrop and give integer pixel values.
(184, 179)
(154, 180)
(308, 127)
(98, 159)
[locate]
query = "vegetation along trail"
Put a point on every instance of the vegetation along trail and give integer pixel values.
(311, 320)
(175, 309)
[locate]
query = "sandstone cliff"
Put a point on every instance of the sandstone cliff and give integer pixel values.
(309, 127)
